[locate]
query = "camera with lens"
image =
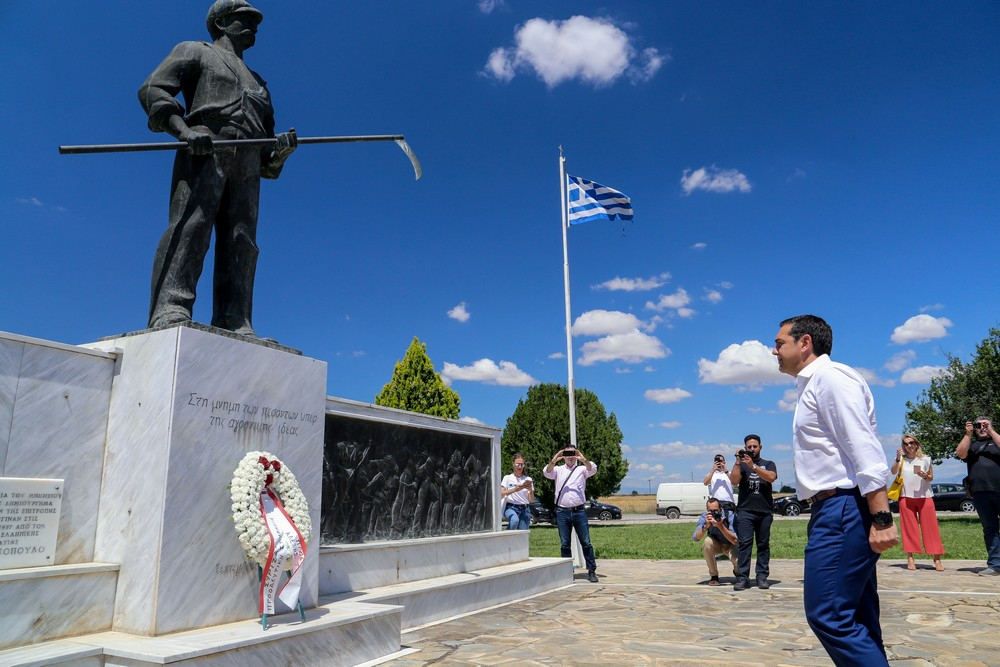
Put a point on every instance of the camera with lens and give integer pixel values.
(719, 458)
(716, 514)
(740, 454)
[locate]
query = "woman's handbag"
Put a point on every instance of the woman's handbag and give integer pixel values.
(896, 487)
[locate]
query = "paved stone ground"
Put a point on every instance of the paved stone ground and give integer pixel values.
(664, 613)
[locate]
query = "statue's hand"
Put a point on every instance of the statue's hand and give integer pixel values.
(199, 142)
(286, 145)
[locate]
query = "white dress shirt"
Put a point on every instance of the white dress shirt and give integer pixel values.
(574, 482)
(834, 439)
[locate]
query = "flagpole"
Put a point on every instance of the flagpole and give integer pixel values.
(569, 322)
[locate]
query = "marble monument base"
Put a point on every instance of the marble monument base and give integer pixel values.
(186, 406)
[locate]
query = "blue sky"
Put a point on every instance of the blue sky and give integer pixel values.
(782, 158)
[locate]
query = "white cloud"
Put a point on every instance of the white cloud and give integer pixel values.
(670, 424)
(557, 355)
(920, 329)
(634, 284)
(750, 362)
(873, 378)
(459, 313)
(31, 201)
(922, 374)
(713, 179)
(686, 312)
(667, 395)
(713, 295)
(676, 449)
(594, 51)
(623, 371)
(725, 284)
(632, 348)
(604, 322)
(900, 361)
(488, 6)
(472, 420)
(788, 400)
(699, 246)
(678, 299)
(933, 306)
(488, 372)
(645, 467)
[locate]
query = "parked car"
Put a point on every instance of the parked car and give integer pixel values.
(602, 511)
(947, 497)
(790, 505)
(540, 512)
(595, 510)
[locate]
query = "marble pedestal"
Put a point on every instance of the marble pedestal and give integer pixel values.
(186, 405)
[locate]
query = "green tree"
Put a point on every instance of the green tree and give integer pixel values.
(539, 427)
(417, 388)
(965, 391)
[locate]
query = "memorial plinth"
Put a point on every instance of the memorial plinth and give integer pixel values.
(186, 406)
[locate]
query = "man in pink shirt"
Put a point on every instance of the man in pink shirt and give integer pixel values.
(571, 494)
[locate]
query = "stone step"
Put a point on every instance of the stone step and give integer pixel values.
(346, 633)
(41, 604)
(442, 597)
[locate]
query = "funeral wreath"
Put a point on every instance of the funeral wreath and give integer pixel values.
(257, 473)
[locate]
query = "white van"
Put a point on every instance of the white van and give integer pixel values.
(672, 500)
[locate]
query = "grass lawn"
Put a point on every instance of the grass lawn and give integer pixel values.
(962, 535)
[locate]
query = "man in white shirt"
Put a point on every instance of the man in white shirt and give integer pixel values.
(571, 494)
(841, 470)
(719, 486)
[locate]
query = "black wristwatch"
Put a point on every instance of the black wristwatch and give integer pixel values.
(882, 519)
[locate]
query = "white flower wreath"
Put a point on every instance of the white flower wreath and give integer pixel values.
(256, 471)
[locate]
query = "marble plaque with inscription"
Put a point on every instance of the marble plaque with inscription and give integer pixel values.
(29, 521)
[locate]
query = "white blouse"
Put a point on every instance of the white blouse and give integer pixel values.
(914, 486)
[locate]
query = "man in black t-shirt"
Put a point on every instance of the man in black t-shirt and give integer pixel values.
(980, 449)
(754, 510)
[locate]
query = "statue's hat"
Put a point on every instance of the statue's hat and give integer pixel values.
(222, 8)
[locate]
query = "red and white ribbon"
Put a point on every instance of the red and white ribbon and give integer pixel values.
(286, 544)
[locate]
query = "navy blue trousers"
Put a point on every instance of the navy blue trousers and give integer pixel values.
(568, 521)
(841, 590)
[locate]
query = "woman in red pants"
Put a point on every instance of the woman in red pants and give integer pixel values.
(916, 503)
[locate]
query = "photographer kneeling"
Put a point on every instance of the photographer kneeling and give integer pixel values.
(717, 526)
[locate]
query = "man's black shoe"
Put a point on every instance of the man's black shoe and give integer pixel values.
(762, 583)
(740, 585)
(592, 577)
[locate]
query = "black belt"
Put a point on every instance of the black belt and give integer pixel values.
(517, 504)
(578, 508)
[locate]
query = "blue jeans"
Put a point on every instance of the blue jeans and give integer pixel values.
(749, 524)
(988, 508)
(841, 590)
(518, 517)
(569, 520)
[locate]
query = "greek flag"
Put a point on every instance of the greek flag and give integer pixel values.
(593, 201)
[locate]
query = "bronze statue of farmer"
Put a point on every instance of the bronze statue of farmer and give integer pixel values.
(213, 187)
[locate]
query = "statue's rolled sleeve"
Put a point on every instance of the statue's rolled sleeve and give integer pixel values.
(158, 93)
